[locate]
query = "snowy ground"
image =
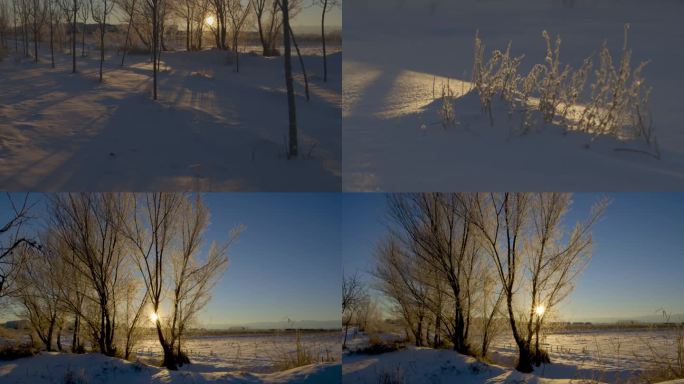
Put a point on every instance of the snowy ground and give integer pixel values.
(48, 368)
(606, 355)
(597, 355)
(253, 353)
(395, 49)
(222, 359)
(211, 129)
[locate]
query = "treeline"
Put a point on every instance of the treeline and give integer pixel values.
(109, 266)
(460, 267)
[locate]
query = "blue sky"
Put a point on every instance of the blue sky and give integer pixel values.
(286, 263)
(637, 265)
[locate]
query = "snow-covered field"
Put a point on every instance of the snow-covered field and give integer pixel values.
(395, 50)
(221, 359)
(253, 353)
(591, 356)
(211, 129)
(607, 355)
(53, 367)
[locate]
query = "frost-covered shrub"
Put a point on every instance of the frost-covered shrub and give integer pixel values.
(617, 105)
(498, 75)
(619, 99)
(447, 110)
(551, 86)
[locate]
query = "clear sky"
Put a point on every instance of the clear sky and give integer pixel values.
(637, 265)
(286, 263)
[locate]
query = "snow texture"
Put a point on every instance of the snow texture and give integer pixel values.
(395, 50)
(211, 129)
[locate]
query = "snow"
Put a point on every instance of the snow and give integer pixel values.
(253, 353)
(211, 129)
(613, 354)
(53, 367)
(395, 50)
(578, 356)
(426, 365)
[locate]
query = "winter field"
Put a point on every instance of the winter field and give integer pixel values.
(600, 355)
(211, 129)
(402, 57)
(231, 358)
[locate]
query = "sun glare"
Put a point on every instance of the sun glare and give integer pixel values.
(539, 310)
(154, 317)
(210, 21)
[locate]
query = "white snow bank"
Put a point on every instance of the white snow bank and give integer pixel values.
(426, 365)
(51, 367)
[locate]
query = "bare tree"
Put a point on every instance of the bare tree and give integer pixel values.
(353, 294)
(128, 6)
(38, 14)
(90, 226)
(269, 22)
(220, 29)
(167, 233)
(187, 10)
(154, 7)
(402, 278)
(84, 11)
(99, 11)
(133, 313)
(434, 227)
(54, 19)
(237, 15)
(70, 9)
(39, 292)
(524, 236)
(327, 5)
(293, 149)
(12, 241)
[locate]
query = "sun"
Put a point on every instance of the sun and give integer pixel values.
(154, 317)
(540, 310)
(210, 21)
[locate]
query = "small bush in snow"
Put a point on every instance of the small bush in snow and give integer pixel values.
(378, 346)
(302, 355)
(498, 75)
(11, 352)
(71, 377)
(617, 105)
(395, 376)
(447, 111)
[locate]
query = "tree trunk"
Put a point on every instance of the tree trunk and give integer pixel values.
(59, 338)
(155, 37)
(52, 43)
(128, 33)
(524, 358)
(438, 329)
(325, 58)
(293, 145)
(346, 331)
(74, 339)
(301, 63)
(73, 40)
